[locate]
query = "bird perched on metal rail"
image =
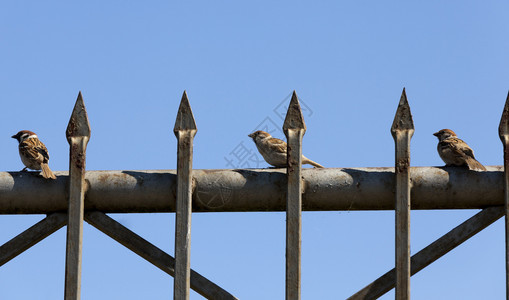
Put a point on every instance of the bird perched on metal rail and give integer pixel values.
(33, 153)
(274, 150)
(455, 152)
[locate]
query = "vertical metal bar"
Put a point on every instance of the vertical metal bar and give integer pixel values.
(78, 134)
(294, 128)
(503, 131)
(402, 130)
(185, 130)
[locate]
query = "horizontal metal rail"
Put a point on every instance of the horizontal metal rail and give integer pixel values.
(255, 190)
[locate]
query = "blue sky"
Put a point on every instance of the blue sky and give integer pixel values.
(348, 62)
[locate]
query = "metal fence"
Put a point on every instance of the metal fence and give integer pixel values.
(78, 195)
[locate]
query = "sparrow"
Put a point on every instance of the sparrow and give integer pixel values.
(33, 153)
(273, 150)
(455, 152)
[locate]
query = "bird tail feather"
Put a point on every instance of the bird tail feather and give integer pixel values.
(310, 162)
(475, 165)
(46, 172)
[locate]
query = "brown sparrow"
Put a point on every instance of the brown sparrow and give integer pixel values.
(273, 150)
(455, 152)
(33, 153)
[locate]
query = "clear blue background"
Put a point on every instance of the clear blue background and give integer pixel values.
(238, 61)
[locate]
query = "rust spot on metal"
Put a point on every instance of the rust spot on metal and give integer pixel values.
(186, 142)
(403, 120)
(185, 119)
(506, 151)
(77, 156)
(194, 183)
(103, 178)
(87, 185)
(211, 171)
(72, 127)
(78, 124)
(294, 118)
(305, 185)
(291, 165)
(402, 164)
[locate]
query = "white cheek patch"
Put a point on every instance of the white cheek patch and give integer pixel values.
(26, 136)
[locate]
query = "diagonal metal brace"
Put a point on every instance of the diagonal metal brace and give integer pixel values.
(31, 236)
(433, 251)
(154, 255)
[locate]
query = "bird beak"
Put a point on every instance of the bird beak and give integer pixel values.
(251, 135)
(14, 137)
(435, 134)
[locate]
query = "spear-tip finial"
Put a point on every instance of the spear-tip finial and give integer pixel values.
(78, 124)
(503, 128)
(185, 118)
(403, 120)
(294, 118)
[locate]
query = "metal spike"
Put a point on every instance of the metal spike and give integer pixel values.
(294, 128)
(185, 130)
(403, 119)
(185, 118)
(402, 130)
(78, 134)
(503, 131)
(294, 118)
(503, 128)
(78, 124)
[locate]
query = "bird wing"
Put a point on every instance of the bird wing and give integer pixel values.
(462, 147)
(35, 149)
(276, 145)
(468, 155)
(458, 148)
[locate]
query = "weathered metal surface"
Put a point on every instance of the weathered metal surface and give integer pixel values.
(402, 130)
(154, 255)
(255, 190)
(185, 130)
(434, 251)
(503, 131)
(31, 236)
(294, 128)
(78, 135)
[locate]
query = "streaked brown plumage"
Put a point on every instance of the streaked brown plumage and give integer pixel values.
(455, 152)
(274, 150)
(33, 153)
